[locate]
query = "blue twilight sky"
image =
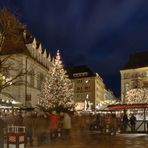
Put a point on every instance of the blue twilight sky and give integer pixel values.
(97, 33)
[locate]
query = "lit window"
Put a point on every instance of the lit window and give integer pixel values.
(146, 73)
(86, 81)
(86, 88)
(87, 96)
(78, 88)
(126, 86)
(32, 78)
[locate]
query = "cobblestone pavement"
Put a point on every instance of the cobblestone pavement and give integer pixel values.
(95, 140)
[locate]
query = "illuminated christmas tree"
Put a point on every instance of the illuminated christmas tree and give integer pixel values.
(138, 95)
(57, 90)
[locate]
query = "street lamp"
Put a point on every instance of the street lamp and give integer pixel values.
(4, 81)
(26, 66)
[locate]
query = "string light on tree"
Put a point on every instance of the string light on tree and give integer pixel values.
(57, 90)
(135, 96)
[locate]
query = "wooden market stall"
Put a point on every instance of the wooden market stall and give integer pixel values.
(139, 110)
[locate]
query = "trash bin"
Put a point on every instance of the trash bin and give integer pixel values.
(15, 137)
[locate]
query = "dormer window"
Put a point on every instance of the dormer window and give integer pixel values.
(80, 74)
(146, 73)
(34, 43)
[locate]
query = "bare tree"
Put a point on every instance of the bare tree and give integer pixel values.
(10, 72)
(10, 26)
(11, 30)
(14, 73)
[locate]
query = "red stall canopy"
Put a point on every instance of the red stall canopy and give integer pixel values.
(127, 106)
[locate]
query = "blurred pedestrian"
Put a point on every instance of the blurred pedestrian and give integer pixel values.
(54, 123)
(2, 126)
(66, 125)
(113, 126)
(133, 123)
(18, 119)
(42, 128)
(125, 122)
(98, 121)
(28, 122)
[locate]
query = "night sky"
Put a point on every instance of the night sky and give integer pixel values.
(97, 33)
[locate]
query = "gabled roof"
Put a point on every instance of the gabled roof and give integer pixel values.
(17, 36)
(137, 60)
(12, 29)
(14, 44)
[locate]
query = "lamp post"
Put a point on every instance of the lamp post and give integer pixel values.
(1, 80)
(26, 66)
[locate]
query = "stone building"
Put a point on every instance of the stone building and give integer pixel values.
(31, 59)
(25, 61)
(89, 88)
(135, 73)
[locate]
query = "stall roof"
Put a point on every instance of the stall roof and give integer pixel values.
(127, 106)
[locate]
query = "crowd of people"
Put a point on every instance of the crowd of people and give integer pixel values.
(42, 127)
(110, 123)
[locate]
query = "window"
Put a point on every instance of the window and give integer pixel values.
(32, 78)
(126, 76)
(135, 84)
(80, 74)
(28, 97)
(126, 86)
(79, 81)
(86, 87)
(75, 75)
(145, 84)
(146, 73)
(40, 79)
(135, 75)
(5, 71)
(78, 88)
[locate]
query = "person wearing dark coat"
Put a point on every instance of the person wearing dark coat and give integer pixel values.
(28, 122)
(2, 126)
(18, 120)
(125, 122)
(133, 123)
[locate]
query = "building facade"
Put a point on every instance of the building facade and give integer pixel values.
(26, 55)
(32, 60)
(89, 88)
(134, 74)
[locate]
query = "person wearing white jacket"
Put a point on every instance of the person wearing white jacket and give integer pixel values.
(66, 125)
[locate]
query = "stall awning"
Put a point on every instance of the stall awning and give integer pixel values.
(6, 100)
(127, 106)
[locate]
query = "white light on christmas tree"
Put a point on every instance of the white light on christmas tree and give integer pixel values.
(57, 91)
(135, 96)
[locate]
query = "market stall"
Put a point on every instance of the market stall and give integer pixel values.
(140, 111)
(8, 104)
